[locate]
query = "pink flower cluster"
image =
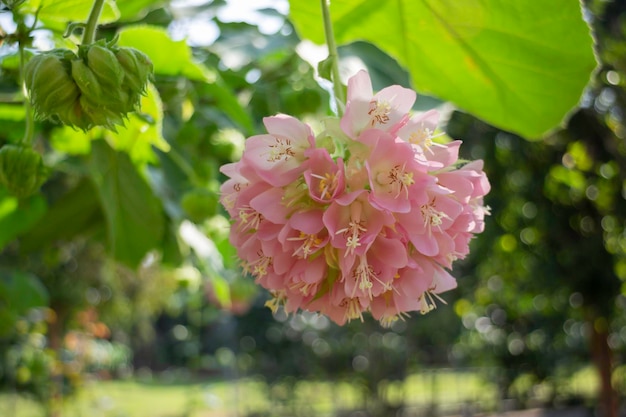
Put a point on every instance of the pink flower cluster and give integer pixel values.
(365, 216)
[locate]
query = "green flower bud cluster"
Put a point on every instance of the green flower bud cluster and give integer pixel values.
(96, 87)
(22, 171)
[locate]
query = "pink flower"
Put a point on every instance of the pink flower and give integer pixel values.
(277, 157)
(396, 178)
(324, 177)
(366, 217)
(386, 110)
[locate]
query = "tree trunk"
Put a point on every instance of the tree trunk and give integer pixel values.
(601, 355)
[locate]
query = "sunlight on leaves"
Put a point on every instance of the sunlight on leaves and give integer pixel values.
(18, 217)
(520, 66)
(12, 112)
(169, 57)
(58, 13)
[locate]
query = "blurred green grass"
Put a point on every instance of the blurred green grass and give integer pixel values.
(445, 389)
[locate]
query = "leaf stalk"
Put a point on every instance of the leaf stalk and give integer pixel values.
(333, 57)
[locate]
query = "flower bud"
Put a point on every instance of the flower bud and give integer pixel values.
(50, 85)
(103, 63)
(21, 170)
(99, 115)
(101, 105)
(137, 68)
(86, 80)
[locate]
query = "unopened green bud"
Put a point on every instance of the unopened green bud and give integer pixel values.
(103, 63)
(99, 115)
(74, 115)
(50, 85)
(21, 170)
(137, 68)
(114, 99)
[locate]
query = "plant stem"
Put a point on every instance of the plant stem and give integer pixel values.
(334, 58)
(92, 22)
(28, 110)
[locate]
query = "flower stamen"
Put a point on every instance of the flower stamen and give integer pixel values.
(353, 233)
(423, 138)
(260, 265)
(400, 180)
(353, 308)
(379, 112)
(280, 149)
(249, 219)
(432, 216)
(427, 300)
(328, 184)
(278, 299)
(311, 243)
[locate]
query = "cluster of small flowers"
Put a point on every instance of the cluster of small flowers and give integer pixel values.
(366, 216)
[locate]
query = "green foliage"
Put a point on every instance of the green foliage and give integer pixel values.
(127, 227)
(168, 56)
(17, 217)
(519, 66)
(133, 213)
(57, 14)
(19, 293)
(75, 213)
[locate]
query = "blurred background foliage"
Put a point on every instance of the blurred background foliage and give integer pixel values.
(120, 269)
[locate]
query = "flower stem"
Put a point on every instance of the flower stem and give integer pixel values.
(92, 22)
(334, 58)
(27, 139)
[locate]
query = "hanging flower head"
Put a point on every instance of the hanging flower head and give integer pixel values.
(367, 216)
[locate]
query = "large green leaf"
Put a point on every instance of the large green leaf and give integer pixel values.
(519, 65)
(77, 212)
(133, 214)
(17, 217)
(135, 9)
(19, 292)
(169, 57)
(56, 14)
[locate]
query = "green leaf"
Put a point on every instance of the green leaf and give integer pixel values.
(71, 141)
(12, 112)
(134, 9)
(17, 217)
(58, 13)
(174, 58)
(227, 102)
(142, 130)
(76, 212)
(221, 289)
(19, 292)
(520, 66)
(324, 68)
(385, 71)
(169, 57)
(133, 214)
